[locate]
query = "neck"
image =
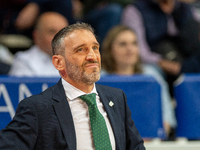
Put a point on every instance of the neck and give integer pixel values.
(86, 88)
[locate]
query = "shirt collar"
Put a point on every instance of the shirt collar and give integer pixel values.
(72, 92)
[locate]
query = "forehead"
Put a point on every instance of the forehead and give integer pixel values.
(80, 32)
(80, 37)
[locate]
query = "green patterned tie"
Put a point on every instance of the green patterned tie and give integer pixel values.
(98, 124)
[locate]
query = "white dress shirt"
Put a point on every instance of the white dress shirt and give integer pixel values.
(33, 62)
(81, 118)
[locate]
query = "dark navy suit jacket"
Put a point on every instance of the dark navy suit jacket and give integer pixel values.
(44, 122)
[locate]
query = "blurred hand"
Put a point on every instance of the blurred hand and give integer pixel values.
(167, 6)
(27, 16)
(77, 8)
(170, 67)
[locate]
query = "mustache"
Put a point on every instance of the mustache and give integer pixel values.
(91, 62)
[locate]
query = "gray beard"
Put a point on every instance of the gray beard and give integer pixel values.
(79, 75)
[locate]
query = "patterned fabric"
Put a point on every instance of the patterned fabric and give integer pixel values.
(98, 124)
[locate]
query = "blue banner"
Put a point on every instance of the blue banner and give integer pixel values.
(187, 94)
(143, 97)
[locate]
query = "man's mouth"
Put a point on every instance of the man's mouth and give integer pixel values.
(91, 64)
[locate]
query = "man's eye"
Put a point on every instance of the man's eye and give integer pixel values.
(79, 50)
(95, 48)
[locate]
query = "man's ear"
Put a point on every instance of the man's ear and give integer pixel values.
(58, 62)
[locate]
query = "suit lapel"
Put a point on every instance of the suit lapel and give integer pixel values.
(64, 115)
(114, 121)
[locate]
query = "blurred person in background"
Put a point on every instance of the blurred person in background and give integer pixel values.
(121, 56)
(36, 61)
(103, 15)
(19, 16)
(168, 35)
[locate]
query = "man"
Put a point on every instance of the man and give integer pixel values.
(37, 60)
(58, 118)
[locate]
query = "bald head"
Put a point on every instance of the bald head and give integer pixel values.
(50, 19)
(48, 24)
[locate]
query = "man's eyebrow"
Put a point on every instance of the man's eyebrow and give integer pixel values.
(79, 46)
(95, 43)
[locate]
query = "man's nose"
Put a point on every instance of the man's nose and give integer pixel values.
(91, 54)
